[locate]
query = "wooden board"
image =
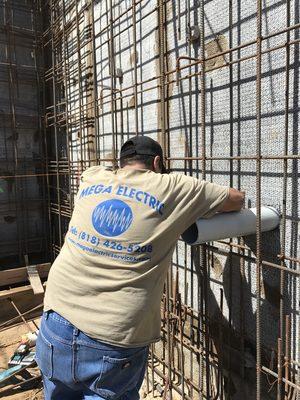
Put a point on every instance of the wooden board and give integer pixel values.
(18, 275)
(5, 294)
(34, 279)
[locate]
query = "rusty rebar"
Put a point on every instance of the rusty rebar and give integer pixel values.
(186, 322)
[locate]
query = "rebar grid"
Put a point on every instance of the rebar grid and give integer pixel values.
(104, 83)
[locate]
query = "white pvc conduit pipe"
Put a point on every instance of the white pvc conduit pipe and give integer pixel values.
(228, 225)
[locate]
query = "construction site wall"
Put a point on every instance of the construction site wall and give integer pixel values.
(217, 83)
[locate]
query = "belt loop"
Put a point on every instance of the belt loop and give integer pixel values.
(47, 314)
(76, 331)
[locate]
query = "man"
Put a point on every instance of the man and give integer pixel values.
(102, 303)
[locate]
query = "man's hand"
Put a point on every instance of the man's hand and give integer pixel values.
(234, 202)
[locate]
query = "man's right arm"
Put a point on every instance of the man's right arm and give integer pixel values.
(234, 201)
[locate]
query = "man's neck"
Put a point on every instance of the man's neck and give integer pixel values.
(135, 166)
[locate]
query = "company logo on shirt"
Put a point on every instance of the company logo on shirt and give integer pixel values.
(137, 195)
(112, 217)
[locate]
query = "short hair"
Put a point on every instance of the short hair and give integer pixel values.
(145, 159)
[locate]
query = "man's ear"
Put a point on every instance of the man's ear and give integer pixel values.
(157, 164)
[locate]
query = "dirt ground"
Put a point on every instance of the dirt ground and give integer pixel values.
(9, 341)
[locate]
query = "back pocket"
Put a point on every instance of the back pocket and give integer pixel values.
(44, 355)
(119, 375)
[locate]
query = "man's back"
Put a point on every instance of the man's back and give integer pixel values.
(109, 276)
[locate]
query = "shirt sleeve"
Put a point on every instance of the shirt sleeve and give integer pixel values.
(214, 197)
(194, 198)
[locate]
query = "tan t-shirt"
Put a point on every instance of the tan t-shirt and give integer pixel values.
(108, 278)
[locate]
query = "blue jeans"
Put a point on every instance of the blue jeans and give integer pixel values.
(75, 366)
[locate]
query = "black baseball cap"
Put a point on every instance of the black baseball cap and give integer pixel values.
(142, 145)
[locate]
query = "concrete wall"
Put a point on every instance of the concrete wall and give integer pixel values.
(23, 205)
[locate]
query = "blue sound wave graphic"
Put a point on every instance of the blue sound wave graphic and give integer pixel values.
(112, 217)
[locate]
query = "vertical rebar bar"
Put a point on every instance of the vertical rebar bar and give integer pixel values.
(287, 355)
(95, 83)
(66, 73)
(44, 130)
(82, 130)
(279, 368)
(258, 197)
(204, 325)
(53, 57)
(112, 73)
(161, 34)
(135, 60)
(231, 142)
